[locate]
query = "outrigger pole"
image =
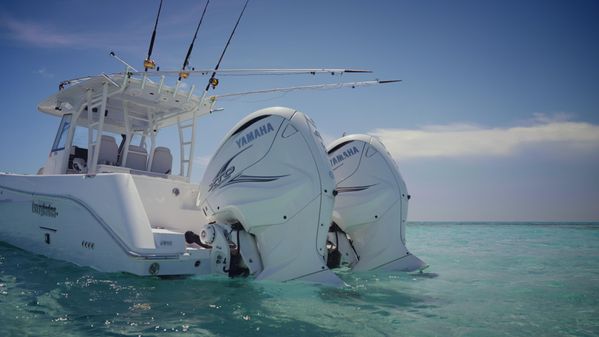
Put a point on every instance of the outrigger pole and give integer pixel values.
(225, 72)
(213, 81)
(183, 73)
(148, 62)
(308, 87)
(255, 71)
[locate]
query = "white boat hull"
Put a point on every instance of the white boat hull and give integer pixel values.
(103, 222)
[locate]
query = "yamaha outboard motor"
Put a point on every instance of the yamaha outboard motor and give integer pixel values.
(271, 180)
(369, 218)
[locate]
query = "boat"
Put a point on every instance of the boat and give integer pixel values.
(274, 203)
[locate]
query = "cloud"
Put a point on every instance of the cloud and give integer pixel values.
(44, 73)
(46, 35)
(468, 140)
(38, 34)
(327, 138)
(202, 161)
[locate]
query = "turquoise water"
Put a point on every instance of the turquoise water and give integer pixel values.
(485, 280)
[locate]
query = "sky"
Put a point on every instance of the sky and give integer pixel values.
(496, 117)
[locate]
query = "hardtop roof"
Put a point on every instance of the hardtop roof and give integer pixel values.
(148, 104)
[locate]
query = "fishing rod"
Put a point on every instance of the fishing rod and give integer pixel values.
(183, 73)
(214, 81)
(148, 62)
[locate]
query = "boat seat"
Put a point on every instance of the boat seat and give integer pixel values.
(162, 161)
(109, 151)
(137, 158)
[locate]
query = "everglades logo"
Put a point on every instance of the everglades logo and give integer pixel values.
(338, 158)
(254, 134)
(43, 209)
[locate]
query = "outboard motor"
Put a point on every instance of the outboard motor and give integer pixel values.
(271, 181)
(368, 229)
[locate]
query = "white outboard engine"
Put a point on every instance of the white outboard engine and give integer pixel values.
(271, 181)
(368, 229)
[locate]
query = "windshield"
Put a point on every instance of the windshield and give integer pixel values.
(61, 134)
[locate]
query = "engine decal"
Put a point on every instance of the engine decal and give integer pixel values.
(252, 179)
(353, 188)
(225, 172)
(254, 134)
(338, 158)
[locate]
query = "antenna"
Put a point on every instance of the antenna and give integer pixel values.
(183, 73)
(148, 62)
(113, 54)
(214, 81)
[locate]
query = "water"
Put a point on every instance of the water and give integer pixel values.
(485, 280)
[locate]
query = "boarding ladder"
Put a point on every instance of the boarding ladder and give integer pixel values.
(95, 127)
(186, 143)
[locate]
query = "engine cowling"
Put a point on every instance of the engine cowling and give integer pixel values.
(371, 207)
(271, 174)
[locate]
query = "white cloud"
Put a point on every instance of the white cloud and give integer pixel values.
(327, 138)
(44, 73)
(47, 35)
(202, 161)
(38, 34)
(463, 140)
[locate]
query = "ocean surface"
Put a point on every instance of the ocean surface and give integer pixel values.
(484, 279)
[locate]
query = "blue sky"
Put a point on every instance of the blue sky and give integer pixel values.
(497, 117)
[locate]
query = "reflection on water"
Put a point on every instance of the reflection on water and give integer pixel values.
(425, 275)
(46, 296)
